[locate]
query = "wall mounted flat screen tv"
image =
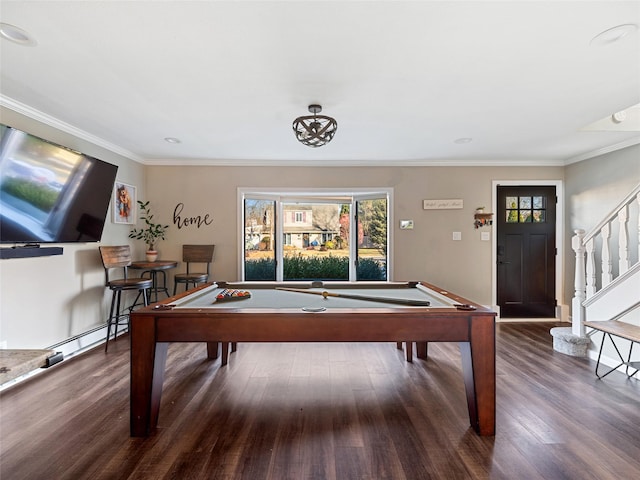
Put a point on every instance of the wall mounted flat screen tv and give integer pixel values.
(50, 193)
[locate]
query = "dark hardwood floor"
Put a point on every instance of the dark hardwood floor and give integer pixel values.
(325, 411)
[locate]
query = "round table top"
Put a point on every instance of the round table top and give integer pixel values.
(157, 265)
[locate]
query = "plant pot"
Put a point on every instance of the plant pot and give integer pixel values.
(152, 255)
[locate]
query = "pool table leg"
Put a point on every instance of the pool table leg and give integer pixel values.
(212, 350)
(148, 360)
(225, 353)
(479, 371)
(409, 346)
(421, 349)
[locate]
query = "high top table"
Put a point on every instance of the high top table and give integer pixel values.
(153, 268)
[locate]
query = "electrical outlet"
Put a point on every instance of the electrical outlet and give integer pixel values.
(457, 235)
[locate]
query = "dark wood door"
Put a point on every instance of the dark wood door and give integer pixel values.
(526, 221)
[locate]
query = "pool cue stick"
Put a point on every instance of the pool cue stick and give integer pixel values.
(397, 301)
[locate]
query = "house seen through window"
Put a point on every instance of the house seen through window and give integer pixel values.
(316, 236)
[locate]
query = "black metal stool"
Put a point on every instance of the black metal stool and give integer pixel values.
(120, 257)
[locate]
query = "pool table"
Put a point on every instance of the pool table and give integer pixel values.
(313, 312)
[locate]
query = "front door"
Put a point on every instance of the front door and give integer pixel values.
(526, 241)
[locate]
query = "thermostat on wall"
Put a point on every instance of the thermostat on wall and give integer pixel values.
(406, 224)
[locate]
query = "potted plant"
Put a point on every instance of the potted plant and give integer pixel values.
(150, 233)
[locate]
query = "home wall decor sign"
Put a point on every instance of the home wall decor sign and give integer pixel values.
(187, 221)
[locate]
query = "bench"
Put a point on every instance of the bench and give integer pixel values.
(15, 363)
(616, 328)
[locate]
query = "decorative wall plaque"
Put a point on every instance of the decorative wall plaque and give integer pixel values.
(443, 204)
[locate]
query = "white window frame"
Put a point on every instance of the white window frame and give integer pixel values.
(315, 195)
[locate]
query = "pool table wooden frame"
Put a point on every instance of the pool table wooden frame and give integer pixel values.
(154, 327)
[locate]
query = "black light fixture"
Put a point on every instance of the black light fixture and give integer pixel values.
(315, 130)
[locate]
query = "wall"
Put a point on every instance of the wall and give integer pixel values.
(425, 253)
(46, 300)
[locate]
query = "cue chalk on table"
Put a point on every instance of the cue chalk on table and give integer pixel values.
(396, 301)
(464, 306)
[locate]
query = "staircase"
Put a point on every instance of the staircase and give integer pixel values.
(607, 276)
(607, 272)
(607, 280)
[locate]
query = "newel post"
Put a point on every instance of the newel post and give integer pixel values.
(574, 341)
(577, 308)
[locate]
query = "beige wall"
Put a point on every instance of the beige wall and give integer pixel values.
(425, 253)
(49, 299)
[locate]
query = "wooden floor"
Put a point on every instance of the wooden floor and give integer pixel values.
(325, 411)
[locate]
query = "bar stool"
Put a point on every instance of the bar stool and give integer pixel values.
(120, 257)
(194, 254)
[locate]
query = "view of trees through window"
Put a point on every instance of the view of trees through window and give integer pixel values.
(313, 239)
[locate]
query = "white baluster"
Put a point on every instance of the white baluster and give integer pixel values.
(623, 240)
(606, 255)
(591, 267)
(577, 309)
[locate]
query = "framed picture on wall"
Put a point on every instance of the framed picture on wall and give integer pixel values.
(124, 203)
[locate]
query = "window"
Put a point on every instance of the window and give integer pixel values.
(310, 235)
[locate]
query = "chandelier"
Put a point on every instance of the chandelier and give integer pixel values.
(315, 130)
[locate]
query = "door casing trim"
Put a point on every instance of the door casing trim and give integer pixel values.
(562, 309)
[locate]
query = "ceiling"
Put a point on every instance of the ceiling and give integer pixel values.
(406, 81)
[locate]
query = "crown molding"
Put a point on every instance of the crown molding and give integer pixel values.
(42, 117)
(167, 162)
(604, 150)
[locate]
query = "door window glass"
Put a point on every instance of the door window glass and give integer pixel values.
(372, 221)
(525, 209)
(259, 239)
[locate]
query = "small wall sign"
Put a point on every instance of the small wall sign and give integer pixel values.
(443, 204)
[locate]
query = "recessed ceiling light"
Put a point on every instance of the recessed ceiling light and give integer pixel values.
(614, 34)
(463, 140)
(172, 140)
(17, 35)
